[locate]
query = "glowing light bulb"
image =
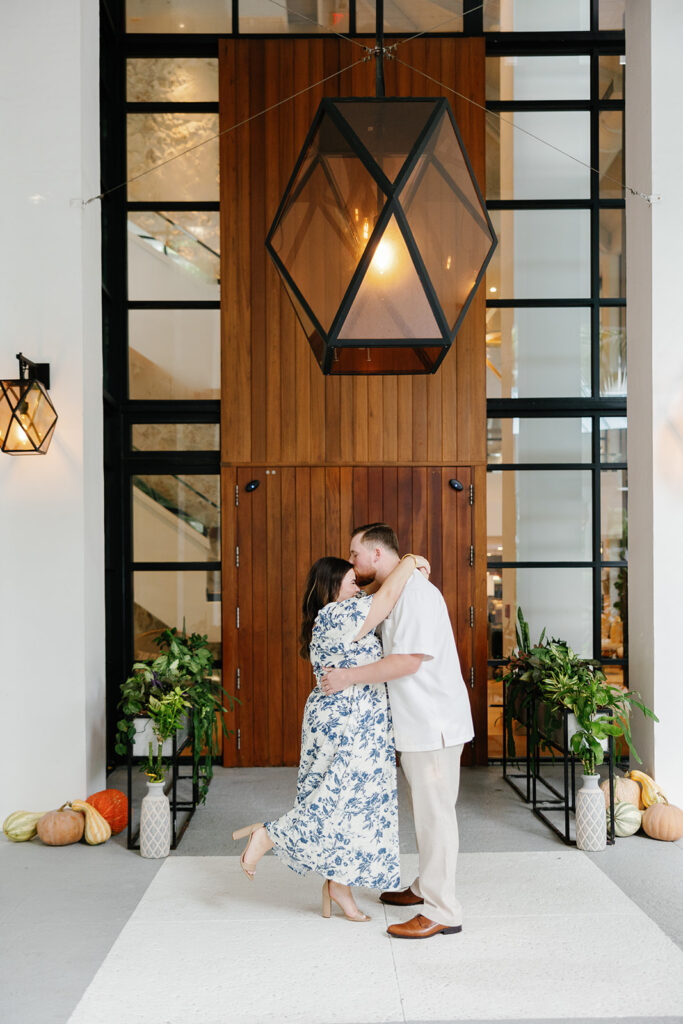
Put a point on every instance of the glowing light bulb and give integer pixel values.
(384, 257)
(366, 230)
(492, 289)
(448, 263)
(355, 215)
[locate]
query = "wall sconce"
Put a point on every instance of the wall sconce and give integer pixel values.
(27, 416)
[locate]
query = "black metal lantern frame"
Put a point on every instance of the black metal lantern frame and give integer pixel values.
(27, 416)
(318, 205)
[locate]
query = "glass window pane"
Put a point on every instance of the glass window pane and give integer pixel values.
(520, 166)
(538, 353)
(179, 16)
(559, 600)
(538, 78)
(303, 16)
(612, 254)
(539, 440)
(614, 515)
(164, 599)
(611, 80)
(612, 15)
(613, 439)
(176, 518)
(613, 350)
(174, 353)
(536, 15)
(539, 515)
(541, 254)
(614, 618)
(408, 16)
(175, 437)
(172, 80)
(173, 255)
(155, 138)
(611, 135)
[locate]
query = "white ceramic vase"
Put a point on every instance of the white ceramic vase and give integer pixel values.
(155, 822)
(591, 832)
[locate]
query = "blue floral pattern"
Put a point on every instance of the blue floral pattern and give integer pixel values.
(344, 824)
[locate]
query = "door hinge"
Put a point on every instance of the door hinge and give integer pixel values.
(239, 739)
(471, 616)
(237, 557)
(471, 554)
(471, 494)
(472, 677)
(237, 495)
(237, 617)
(238, 681)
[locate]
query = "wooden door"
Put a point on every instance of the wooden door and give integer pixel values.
(284, 519)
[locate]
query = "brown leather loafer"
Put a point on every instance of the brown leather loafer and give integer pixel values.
(420, 927)
(401, 898)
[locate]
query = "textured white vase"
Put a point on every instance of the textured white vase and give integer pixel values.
(155, 822)
(591, 831)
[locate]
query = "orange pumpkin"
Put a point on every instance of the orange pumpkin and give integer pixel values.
(113, 806)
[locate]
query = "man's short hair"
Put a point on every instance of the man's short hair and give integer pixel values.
(378, 533)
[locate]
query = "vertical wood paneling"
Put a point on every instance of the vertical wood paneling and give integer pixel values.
(277, 407)
(291, 591)
(230, 651)
(272, 684)
(304, 560)
(245, 634)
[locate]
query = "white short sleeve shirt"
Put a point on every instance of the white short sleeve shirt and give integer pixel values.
(431, 708)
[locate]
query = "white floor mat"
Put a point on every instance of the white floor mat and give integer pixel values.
(541, 939)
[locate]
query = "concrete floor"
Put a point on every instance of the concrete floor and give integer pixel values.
(73, 914)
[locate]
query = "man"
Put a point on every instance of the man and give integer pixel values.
(432, 722)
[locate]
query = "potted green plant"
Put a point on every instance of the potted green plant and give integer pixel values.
(184, 662)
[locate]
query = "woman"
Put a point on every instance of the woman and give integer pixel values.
(344, 824)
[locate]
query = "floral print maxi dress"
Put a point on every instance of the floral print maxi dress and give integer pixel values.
(344, 824)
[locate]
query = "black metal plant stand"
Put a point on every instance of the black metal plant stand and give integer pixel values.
(170, 789)
(564, 799)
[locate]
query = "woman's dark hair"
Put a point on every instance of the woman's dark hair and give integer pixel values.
(322, 586)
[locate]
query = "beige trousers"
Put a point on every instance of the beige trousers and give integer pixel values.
(434, 779)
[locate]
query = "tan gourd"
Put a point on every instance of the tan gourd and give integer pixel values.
(60, 828)
(97, 828)
(663, 821)
(625, 791)
(651, 792)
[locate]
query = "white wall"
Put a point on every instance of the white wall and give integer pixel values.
(654, 148)
(51, 507)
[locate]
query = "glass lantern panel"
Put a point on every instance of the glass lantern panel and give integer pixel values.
(391, 301)
(331, 209)
(5, 410)
(387, 130)
(447, 220)
(392, 359)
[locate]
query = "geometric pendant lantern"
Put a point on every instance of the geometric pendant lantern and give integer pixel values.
(382, 235)
(27, 416)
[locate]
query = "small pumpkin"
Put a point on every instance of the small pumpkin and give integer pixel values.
(113, 806)
(20, 826)
(663, 821)
(61, 827)
(97, 830)
(626, 791)
(627, 819)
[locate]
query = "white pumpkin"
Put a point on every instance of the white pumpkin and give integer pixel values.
(627, 819)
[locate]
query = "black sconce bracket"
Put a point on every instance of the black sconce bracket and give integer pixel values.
(28, 370)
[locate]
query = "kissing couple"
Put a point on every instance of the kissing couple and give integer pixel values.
(388, 679)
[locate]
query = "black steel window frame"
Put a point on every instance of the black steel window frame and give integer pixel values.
(597, 406)
(116, 47)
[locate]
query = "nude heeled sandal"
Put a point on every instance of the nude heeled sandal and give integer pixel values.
(359, 918)
(240, 833)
